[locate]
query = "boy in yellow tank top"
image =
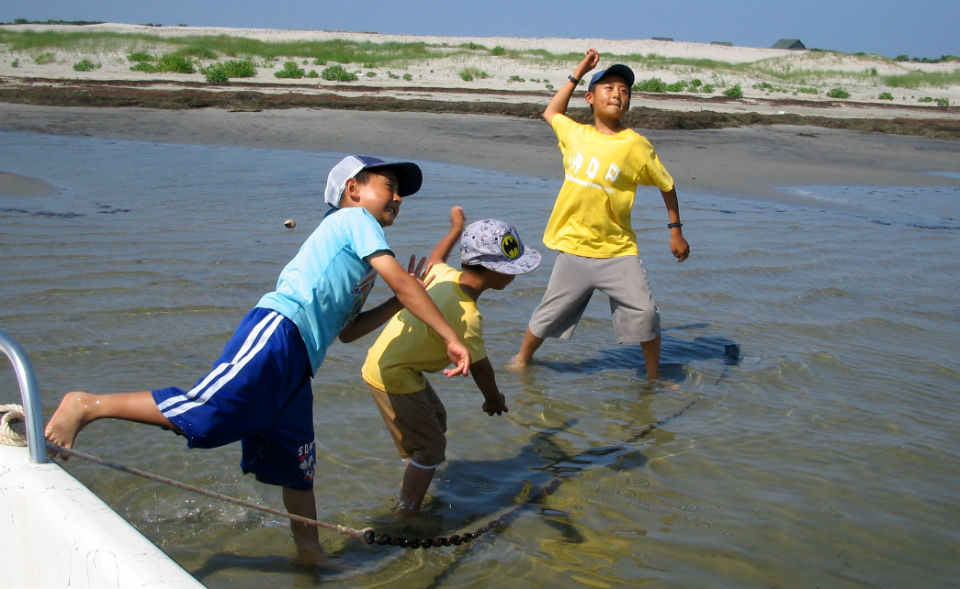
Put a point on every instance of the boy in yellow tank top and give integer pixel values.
(491, 256)
(590, 223)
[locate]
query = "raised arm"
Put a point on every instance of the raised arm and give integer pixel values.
(411, 295)
(443, 248)
(558, 104)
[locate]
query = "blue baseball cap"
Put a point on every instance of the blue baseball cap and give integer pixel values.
(409, 176)
(614, 70)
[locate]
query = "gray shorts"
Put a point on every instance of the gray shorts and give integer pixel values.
(636, 318)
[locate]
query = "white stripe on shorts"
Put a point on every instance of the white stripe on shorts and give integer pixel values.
(198, 395)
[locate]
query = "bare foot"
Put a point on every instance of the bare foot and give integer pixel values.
(69, 418)
(313, 555)
(517, 364)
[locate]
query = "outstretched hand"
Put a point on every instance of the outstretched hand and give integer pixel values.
(418, 271)
(460, 357)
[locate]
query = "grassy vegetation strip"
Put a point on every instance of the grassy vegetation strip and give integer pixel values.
(107, 95)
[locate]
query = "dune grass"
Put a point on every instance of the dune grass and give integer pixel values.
(779, 72)
(924, 79)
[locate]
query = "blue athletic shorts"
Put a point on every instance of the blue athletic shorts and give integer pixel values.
(258, 392)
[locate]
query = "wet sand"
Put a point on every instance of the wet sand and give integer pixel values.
(746, 161)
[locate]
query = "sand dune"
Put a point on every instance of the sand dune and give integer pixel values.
(767, 77)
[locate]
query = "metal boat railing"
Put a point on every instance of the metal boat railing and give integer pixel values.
(29, 393)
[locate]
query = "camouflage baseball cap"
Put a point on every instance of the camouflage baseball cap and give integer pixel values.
(496, 245)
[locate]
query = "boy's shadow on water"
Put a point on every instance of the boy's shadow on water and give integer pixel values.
(676, 351)
(468, 494)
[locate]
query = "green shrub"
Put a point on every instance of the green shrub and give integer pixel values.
(140, 56)
(733, 92)
(166, 63)
(471, 73)
(215, 74)
(407, 77)
(498, 50)
(838, 93)
(943, 102)
(677, 86)
(809, 91)
(290, 70)
(221, 72)
(515, 78)
(338, 74)
(651, 85)
(85, 65)
(240, 68)
(43, 59)
(15, 63)
(885, 96)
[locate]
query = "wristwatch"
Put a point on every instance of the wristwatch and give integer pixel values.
(672, 225)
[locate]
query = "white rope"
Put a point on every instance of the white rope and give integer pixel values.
(12, 426)
(13, 433)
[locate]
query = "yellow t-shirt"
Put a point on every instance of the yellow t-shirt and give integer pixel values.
(407, 347)
(591, 216)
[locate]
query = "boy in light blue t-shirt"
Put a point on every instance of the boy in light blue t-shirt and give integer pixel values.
(259, 390)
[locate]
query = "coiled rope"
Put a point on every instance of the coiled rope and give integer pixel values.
(12, 426)
(13, 414)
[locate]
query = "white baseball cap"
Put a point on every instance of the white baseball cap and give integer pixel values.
(409, 176)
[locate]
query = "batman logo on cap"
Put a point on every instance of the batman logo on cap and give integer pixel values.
(510, 246)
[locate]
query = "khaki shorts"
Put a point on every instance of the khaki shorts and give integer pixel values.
(636, 318)
(417, 424)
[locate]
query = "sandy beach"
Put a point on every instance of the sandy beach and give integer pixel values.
(714, 144)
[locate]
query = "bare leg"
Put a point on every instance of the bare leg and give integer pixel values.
(416, 481)
(77, 409)
(528, 348)
(651, 357)
(305, 536)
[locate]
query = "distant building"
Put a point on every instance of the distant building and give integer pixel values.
(724, 43)
(789, 44)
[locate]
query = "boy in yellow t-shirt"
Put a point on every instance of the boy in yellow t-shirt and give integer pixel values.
(491, 255)
(590, 223)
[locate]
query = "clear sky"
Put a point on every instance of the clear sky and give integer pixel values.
(918, 28)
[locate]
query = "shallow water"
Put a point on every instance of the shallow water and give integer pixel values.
(825, 455)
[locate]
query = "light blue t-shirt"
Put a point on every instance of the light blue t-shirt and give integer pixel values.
(326, 284)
